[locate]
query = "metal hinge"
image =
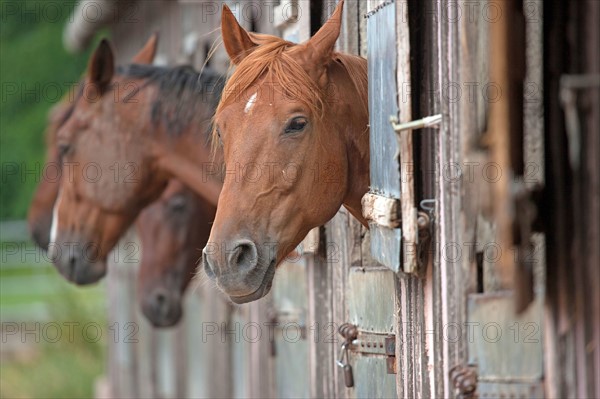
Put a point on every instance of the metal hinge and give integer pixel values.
(285, 320)
(464, 380)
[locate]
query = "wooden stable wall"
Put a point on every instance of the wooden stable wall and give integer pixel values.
(572, 195)
(456, 299)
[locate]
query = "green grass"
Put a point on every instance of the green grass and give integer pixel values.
(32, 58)
(63, 371)
(67, 368)
(31, 264)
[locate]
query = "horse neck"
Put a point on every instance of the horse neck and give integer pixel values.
(355, 132)
(188, 158)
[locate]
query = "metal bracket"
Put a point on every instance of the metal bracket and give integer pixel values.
(425, 220)
(428, 121)
(569, 84)
(279, 319)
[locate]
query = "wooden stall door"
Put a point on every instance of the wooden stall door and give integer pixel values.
(363, 290)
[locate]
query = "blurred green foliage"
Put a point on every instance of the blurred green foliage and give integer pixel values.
(35, 71)
(68, 367)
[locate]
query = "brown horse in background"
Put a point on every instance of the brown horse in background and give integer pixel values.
(138, 126)
(172, 230)
(298, 114)
(39, 217)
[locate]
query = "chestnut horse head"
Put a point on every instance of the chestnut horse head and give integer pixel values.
(172, 232)
(293, 124)
(109, 148)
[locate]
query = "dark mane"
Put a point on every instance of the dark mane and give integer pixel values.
(184, 95)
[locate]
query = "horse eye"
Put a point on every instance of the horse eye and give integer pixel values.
(218, 132)
(177, 203)
(63, 149)
(296, 125)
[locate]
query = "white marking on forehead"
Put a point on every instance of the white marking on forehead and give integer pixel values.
(250, 103)
(54, 228)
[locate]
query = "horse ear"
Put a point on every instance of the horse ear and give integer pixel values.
(322, 43)
(147, 53)
(101, 67)
(235, 38)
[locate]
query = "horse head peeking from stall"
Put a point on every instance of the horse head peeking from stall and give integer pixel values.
(39, 217)
(295, 117)
(130, 131)
(172, 230)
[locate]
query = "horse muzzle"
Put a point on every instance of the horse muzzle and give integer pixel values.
(245, 272)
(162, 307)
(77, 264)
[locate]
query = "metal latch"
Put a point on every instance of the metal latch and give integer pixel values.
(428, 121)
(365, 343)
(377, 344)
(348, 332)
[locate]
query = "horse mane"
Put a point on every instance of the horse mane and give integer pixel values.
(183, 93)
(271, 60)
(356, 67)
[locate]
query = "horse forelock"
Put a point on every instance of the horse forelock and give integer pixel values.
(271, 62)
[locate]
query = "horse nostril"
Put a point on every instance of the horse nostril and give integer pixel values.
(72, 262)
(161, 303)
(244, 256)
(208, 268)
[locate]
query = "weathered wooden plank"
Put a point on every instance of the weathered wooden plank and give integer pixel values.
(448, 194)
(123, 362)
(197, 363)
(261, 364)
(406, 155)
(381, 210)
(338, 260)
(319, 316)
(505, 346)
(505, 126)
(386, 245)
